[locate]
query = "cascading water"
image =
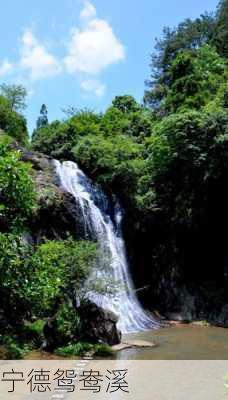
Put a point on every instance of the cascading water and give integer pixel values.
(105, 228)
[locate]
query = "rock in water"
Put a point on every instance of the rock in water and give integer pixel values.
(99, 325)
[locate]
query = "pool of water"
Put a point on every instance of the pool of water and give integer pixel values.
(184, 342)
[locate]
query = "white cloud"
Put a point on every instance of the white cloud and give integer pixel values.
(35, 58)
(5, 67)
(93, 86)
(93, 48)
(89, 11)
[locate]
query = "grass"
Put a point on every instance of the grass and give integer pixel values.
(14, 350)
(80, 348)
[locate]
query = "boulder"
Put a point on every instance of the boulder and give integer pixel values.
(98, 324)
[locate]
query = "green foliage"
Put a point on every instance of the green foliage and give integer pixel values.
(189, 35)
(14, 349)
(116, 162)
(125, 104)
(134, 122)
(103, 350)
(14, 276)
(43, 117)
(124, 117)
(167, 165)
(109, 147)
(12, 123)
(33, 333)
(81, 348)
(220, 38)
(43, 283)
(109, 155)
(58, 269)
(15, 94)
(35, 329)
(181, 163)
(187, 38)
(67, 322)
(195, 79)
(58, 139)
(17, 197)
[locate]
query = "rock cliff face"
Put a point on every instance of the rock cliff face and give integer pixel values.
(57, 213)
(189, 286)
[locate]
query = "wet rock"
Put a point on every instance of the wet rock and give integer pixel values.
(99, 325)
(221, 319)
(202, 324)
(132, 343)
(175, 317)
(57, 215)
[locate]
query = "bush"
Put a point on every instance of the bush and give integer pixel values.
(67, 323)
(17, 196)
(14, 278)
(80, 348)
(39, 284)
(58, 269)
(14, 350)
(34, 332)
(12, 123)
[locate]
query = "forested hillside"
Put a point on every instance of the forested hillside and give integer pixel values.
(166, 160)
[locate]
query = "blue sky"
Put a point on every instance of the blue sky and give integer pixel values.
(83, 53)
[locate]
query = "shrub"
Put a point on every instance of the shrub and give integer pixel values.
(80, 348)
(12, 123)
(17, 196)
(14, 278)
(14, 349)
(58, 269)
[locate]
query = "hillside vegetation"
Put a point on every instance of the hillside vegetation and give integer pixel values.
(166, 160)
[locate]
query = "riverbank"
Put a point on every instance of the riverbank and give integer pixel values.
(175, 342)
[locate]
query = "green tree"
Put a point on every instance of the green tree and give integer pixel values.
(35, 284)
(12, 123)
(17, 197)
(115, 162)
(43, 117)
(220, 38)
(13, 276)
(194, 79)
(58, 139)
(58, 270)
(186, 154)
(16, 95)
(125, 104)
(189, 35)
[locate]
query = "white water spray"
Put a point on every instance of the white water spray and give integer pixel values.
(97, 221)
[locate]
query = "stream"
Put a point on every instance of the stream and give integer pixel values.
(181, 342)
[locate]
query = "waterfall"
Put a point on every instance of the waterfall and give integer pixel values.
(102, 222)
